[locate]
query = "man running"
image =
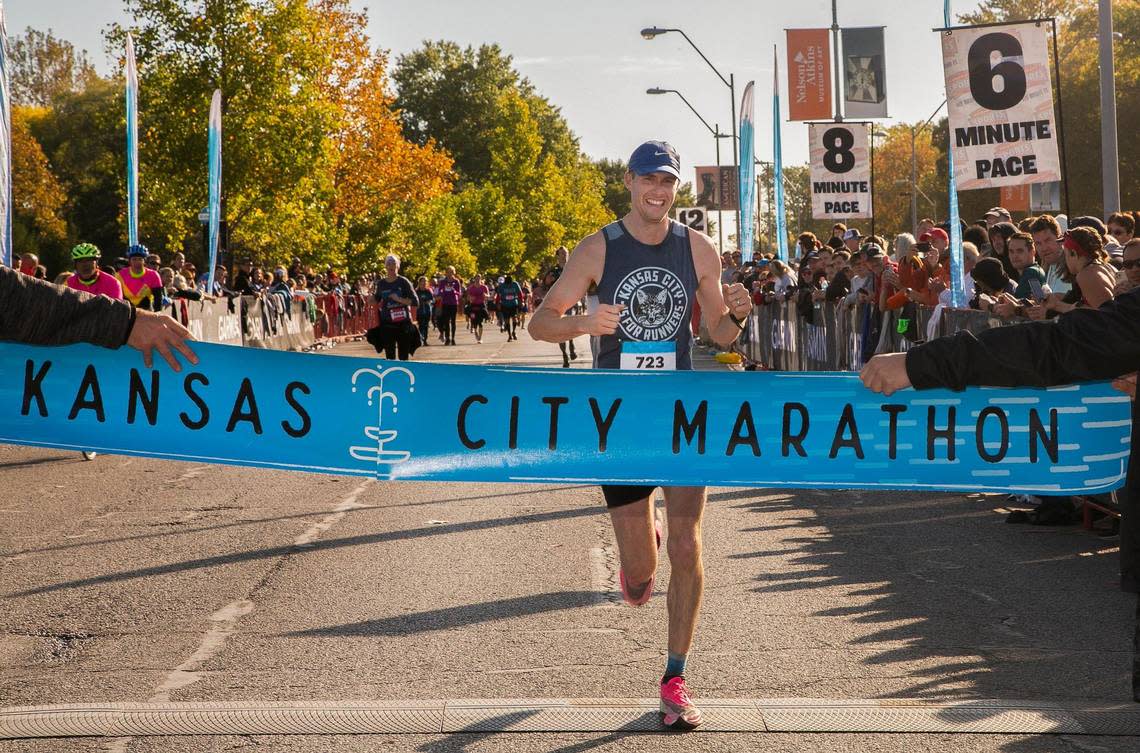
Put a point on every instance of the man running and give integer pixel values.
(88, 277)
(548, 280)
(649, 271)
(450, 291)
(510, 298)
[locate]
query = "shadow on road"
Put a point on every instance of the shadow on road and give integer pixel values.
(960, 605)
(457, 617)
(319, 545)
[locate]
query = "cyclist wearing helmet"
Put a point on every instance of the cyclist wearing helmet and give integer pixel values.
(141, 286)
(88, 277)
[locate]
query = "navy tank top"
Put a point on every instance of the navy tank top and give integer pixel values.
(656, 284)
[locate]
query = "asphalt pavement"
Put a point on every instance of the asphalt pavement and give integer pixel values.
(138, 580)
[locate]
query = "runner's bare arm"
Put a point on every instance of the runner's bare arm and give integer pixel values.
(584, 267)
(717, 300)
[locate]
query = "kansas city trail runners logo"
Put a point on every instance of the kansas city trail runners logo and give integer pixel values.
(655, 302)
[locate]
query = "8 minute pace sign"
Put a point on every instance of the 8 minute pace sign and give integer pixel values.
(840, 170)
(1000, 105)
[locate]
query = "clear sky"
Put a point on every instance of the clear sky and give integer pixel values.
(588, 58)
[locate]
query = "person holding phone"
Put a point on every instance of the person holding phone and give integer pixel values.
(1030, 281)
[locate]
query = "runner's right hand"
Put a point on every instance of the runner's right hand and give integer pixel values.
(605, 320)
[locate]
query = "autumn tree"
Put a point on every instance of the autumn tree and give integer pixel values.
(38, 198)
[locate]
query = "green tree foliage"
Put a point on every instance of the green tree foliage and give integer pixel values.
(83, 138)
(43, 67)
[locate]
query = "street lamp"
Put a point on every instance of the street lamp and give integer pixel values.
(717, 136)
(652, 32)
(914, 168)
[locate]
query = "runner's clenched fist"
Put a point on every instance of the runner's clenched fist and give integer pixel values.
(737, 299)
(605, 320)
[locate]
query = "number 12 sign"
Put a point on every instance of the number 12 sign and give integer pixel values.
(1000, 95)
(840, 171)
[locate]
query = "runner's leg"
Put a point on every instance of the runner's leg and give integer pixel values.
(636, 542)
(684, 506)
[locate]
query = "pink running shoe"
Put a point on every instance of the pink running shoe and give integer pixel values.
(648, 592)
(677, 709)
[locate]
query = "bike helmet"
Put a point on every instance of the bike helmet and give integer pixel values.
(137, 250)
(85, 251)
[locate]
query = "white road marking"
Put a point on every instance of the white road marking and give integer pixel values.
(223, 623)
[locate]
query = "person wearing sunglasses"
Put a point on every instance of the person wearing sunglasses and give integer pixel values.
(1087, 267)
(1121, 226)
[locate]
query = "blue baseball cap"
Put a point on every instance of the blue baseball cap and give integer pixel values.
(655, 157)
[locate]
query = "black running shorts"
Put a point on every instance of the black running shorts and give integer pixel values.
(617, 496)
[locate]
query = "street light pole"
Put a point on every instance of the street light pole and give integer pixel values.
(717, 136)
(1109, 162)
(730, 82)
(914, 167)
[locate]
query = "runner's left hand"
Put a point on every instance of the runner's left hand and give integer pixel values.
(737, 298)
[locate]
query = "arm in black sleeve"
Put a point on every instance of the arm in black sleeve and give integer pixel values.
(1082, 345)
(38, 313)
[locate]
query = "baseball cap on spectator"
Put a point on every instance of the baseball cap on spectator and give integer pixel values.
(852, 234)
(999, 212)
(871, 250)
(937, 233)
(655, 157)
(834, 243)
(990, 272)
(1091, 222)
(762, 262)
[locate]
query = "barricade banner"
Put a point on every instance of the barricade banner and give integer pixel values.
(214, 322)
(274, 323)
(439, 422)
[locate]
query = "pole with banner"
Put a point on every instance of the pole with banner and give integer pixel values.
(747, 189)
(132, 144)
(215, 171)
(778, 162)
(957, 281)
(5, 149)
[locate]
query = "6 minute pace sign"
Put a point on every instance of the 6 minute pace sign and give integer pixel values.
(1000, 105)
(840, 170)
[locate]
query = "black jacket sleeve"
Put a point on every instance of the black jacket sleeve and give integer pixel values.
(1082, 345)
(39, 313)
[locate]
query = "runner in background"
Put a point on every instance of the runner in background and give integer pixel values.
(450, 293)
(476, 297)
(560, 258)
(524, 308)
(510, 299)
(88, 277)
(425, 303)
(141, 286)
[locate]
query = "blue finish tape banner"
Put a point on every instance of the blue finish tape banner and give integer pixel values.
(404, 420)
